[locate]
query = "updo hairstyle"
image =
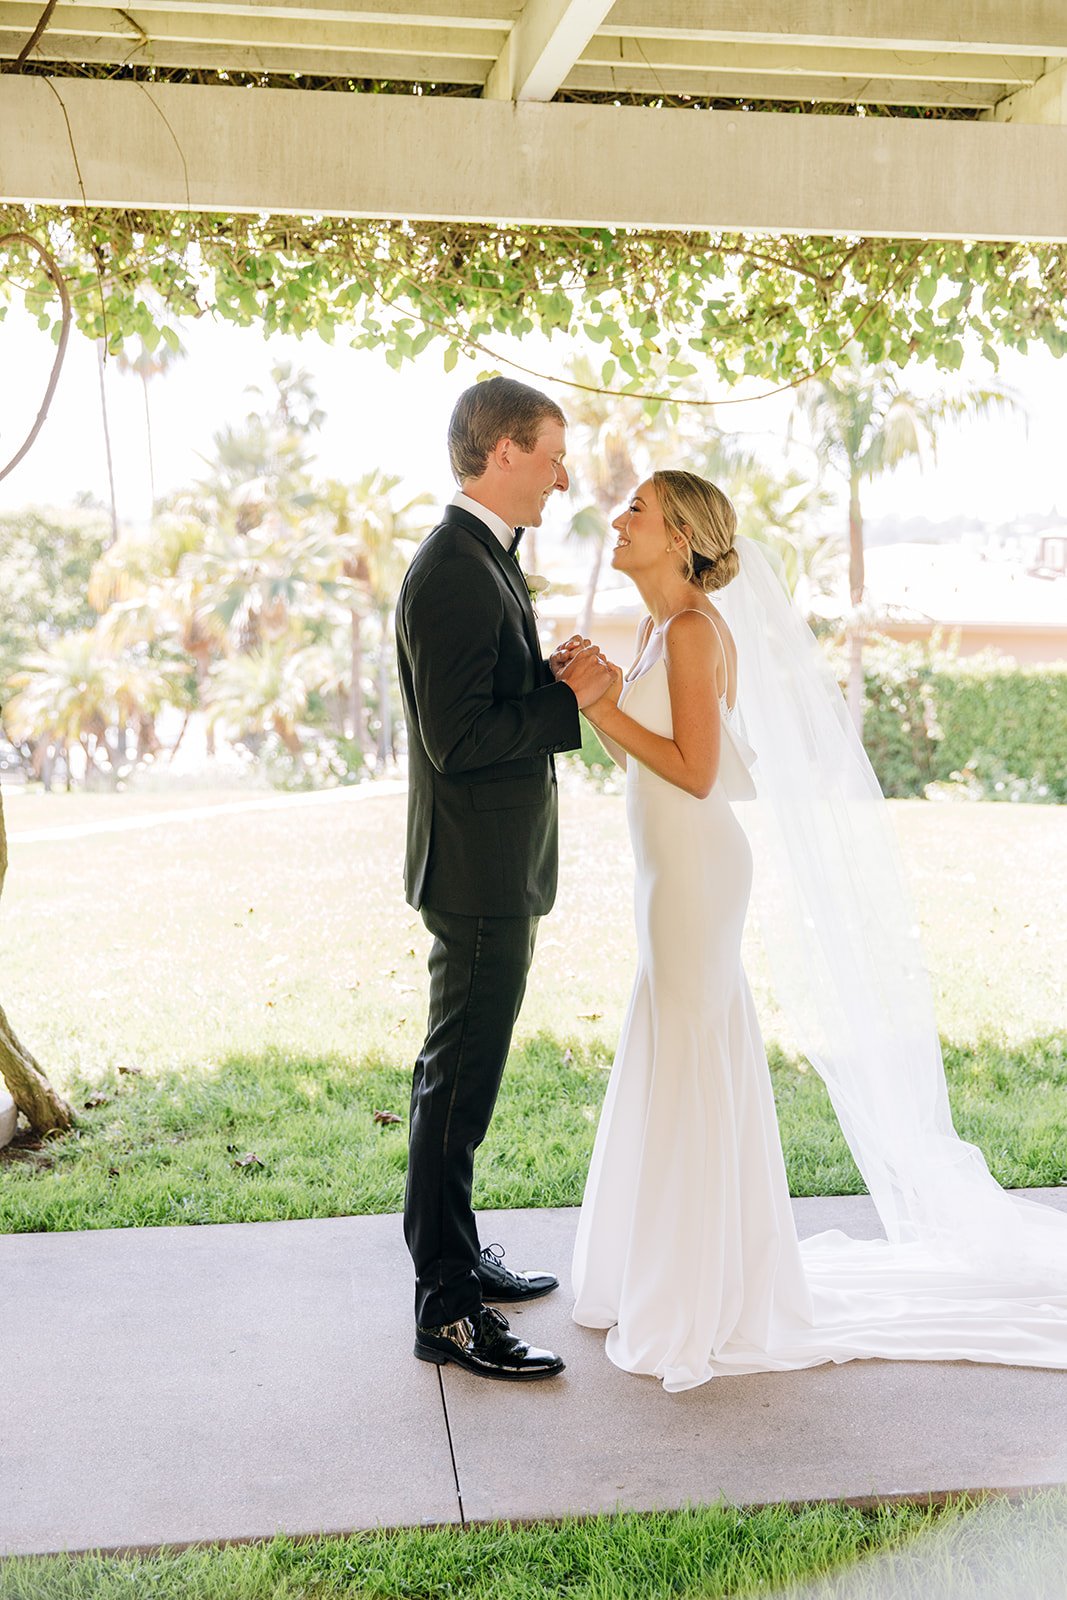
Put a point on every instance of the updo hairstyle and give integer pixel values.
(706, 520)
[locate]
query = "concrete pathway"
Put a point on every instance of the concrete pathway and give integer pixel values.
(225, 808)
(181, 1385)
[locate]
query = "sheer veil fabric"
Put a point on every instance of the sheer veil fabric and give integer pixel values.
(686, 1248)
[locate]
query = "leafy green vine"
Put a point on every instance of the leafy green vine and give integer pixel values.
(661, 305)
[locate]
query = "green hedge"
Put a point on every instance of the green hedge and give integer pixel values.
(999, 731)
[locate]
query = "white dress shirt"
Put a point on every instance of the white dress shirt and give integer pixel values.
(494, 523)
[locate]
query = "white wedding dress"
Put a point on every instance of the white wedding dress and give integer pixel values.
(686, 1249)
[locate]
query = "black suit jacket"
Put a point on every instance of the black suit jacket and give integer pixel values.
(484, 717)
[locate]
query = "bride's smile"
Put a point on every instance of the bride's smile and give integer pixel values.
(642, 534)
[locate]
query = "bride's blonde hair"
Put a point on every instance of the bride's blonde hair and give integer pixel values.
(706, 520)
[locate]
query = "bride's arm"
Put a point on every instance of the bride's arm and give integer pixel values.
(690, 759)
(616, 751)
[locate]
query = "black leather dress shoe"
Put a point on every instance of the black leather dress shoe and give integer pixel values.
(498, 1283)
(482, 1344)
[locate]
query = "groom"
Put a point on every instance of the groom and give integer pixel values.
(485, 714)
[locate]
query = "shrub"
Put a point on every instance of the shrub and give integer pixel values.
(996, 730)
(1003, 730)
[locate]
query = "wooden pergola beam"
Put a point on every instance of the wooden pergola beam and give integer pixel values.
(543, 46)
(758, 86)
(1044, 101)
(183, 38)
(227, 149)
(1021, 27)
(668, 54)
(308, 13)
(117, 31)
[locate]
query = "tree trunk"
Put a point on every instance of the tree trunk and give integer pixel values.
(288, 735)
(385, 708)
(44, 1109)
(148, 431)
(856, 585)
(147, 738)
(100, 353)
(181, 735)
(585, 620)
(355, 691)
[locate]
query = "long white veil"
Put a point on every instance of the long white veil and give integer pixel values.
(846, 960)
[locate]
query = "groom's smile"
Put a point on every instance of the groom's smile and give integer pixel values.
(537, 473)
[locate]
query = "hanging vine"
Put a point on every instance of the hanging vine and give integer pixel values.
(44, 255)
(660, 304)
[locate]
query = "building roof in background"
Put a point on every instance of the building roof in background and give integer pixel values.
(950, 585)
(956, 585)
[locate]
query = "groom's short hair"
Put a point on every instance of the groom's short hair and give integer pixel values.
(498, 409)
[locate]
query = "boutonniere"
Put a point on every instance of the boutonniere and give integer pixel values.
(536, 586)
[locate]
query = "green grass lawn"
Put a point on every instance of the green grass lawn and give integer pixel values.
(253, 983)
(687, 1555)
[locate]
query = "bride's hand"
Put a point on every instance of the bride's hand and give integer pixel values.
(610, 697)
(564, 654)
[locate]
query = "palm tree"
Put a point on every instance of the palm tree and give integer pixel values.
(863, 422)
(150, 363)
(613, 436)
(375, 539)
(262, 556)
(80, 690)
(336, 497)
(149, 593)
(267, 690)
(781, 509)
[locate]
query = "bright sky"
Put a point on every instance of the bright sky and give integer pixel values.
(992, 471)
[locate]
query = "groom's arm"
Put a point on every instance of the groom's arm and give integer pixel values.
(452, 624)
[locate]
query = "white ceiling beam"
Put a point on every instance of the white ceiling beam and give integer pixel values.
(448, 158)
(402, 67)
(205, 27)
(443, 68)
(1045, 102)
(112, 33)
(755, 86)
(543, 46)
(674, 54)
(1017, 27)
(458, 13)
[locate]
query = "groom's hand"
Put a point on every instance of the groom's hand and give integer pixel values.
(564, 653)
(588, 675)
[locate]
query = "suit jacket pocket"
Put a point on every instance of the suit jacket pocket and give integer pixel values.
(508, 793)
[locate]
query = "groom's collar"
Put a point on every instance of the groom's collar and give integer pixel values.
(495, 524)
(457, 515)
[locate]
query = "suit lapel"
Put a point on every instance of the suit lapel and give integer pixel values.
(508, 565)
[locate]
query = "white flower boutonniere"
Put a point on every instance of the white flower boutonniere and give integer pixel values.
(536, 585)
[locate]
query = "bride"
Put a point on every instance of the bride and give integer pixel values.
(686, 1249)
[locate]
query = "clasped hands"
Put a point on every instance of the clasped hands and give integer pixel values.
(587, 671)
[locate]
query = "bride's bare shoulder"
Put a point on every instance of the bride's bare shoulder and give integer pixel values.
(689, 630)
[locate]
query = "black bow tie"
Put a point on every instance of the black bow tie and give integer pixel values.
(514, 545)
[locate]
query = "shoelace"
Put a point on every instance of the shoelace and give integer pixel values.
(496, 1318)
(494, 1254)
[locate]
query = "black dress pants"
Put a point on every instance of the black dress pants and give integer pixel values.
(478, 968)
